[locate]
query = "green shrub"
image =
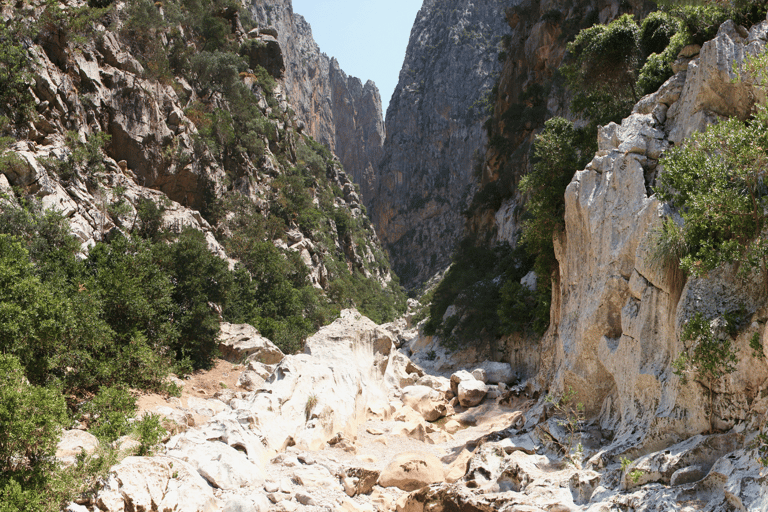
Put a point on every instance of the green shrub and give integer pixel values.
(558, 152)
(715, 182)
(150, 431)
(603, 71)
(705, 355)
(15, 76)
(31, 419)
(110, 411)
(656, 31)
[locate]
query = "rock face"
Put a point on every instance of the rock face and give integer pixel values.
(337, 110)
(618, 315)
(434, 126)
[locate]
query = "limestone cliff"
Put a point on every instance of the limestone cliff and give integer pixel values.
(337, 110)
(434, 127)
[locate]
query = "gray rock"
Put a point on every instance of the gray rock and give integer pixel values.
(687, 475)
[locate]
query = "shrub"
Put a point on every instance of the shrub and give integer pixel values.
(558, 152)
(707, 356)
(604, 69)
(31, 418)
(715, 180)
(15, 76)
(109, 413)
(150, 431)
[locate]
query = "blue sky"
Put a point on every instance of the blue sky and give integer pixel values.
(367, 37)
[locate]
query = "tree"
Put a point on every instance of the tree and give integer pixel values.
(717, 182)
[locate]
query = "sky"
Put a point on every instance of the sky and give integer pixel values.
(367, 37)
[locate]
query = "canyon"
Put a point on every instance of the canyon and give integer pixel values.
(590, 416)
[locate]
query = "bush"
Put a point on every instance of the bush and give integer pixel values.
(31, 418)
(715, 181)
(604, 69)
(150, 431)
(109, 413)
(15, 76)
(558, 152)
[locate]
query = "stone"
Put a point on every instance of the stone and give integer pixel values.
(316, 476)
(428, 402)
(240, 342)
(412, 470)
(155, 483)
(240, 505)
(479, 374)
(498, 372)
(250, 380)
(687, 475)
(471, 393)
(460, 376)
(74, 442)
(221, 465)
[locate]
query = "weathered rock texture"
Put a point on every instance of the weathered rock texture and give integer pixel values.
(337, 110)
(434, 127)
(618, 316)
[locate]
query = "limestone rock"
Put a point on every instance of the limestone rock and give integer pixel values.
(337, 110)
(72, 443)
(424, 180)
(239, 342)
(221, 465)
(412, 470)
(156, 483)
(458, 377)
(471, 392)
(431, 404)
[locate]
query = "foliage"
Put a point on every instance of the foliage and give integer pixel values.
(603, 71)
(707, 356)
(571, 415)
(31, 418)
(109, 413)
(474, 284)
(150, 431)
(558, 152)
(716, 181)
(15, 76)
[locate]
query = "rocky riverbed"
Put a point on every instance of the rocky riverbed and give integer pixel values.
(362, 422)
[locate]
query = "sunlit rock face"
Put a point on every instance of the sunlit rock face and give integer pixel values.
(434, 126)
(338, 110)
(620, 313)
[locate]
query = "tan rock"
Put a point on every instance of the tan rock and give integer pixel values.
(73, 443)
(471, 392)
(239, 342)
(428, 402)
(412, 470)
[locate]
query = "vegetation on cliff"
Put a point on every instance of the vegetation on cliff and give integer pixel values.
(606, 70)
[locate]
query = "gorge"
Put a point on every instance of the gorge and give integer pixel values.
(199, 210)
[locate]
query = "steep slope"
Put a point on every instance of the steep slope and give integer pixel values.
(434, 127)
(337, 110)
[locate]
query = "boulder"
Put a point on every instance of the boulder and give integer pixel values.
(72, 443)
(221, 465)
(428, 402)
(155, 483)
(497, 372)
(471, 392)
(460, 376)
(250, 380)
(239, 342)
(412, 470)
